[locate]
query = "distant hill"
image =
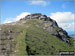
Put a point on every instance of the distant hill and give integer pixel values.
(36, 34)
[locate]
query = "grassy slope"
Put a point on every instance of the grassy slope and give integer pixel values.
(21, 45)
(38, 40)
(41, 42)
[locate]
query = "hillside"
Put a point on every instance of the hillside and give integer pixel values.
(36, 34)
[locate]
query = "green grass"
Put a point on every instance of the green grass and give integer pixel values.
(21, 45)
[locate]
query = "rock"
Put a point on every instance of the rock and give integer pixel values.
(36, 14)
(9, 31)
(0, 29)
(51, 30)
(33, 16)
(55, 24)
(42, 18)
(49, 19)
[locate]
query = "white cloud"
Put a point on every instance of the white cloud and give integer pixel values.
(7, 21)
(38, 2)
(67, 26)
(62, 16)
(64, 19)
(22, 15)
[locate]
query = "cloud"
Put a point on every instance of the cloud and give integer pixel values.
(7, 21)
(64, 19)
(67, 26)
(62, 16)
(22, 15)
(38, 2)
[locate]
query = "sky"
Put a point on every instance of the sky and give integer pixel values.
(60, 11)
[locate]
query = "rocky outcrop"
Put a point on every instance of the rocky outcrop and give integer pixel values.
(37, 16)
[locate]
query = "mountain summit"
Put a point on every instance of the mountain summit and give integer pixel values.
(35, 34)
(49, 25)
